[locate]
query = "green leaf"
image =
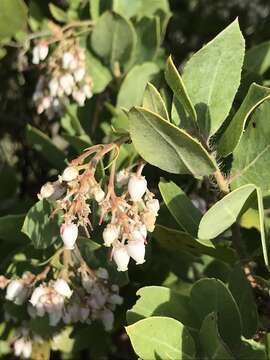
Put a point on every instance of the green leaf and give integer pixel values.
(175, 82)
(148, 39)
(153, 101)
(126, 8)
(177, 153)
(100, 74)
(150, 7)
(133, 86)
(113, 39)
(176, 241)
(94, 7)
(181, 207)
(211, 341)
(224, 213)
(212, 77)
(243, 295)
(251, 350)
(42, 143)
(232, 135)
(161, 301)
(251, 158)
(39, 227)
(13, 17)
(79, 143)
(161, 338)
(10, 228)
(57, 13)
(211, 295)
(257, 59)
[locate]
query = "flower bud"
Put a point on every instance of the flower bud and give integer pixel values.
(70, 173)
(138, 234)
(37, 293)
(3, 282)
(53, 86)
(102, 273)
(69, 234)
(122, 177)
(84, 313)
(110, 234)
(43, 51)
(87, 91)
(107, 318)
(46, 191)
(136, 250)
(79, 74)
(153, 205)
(79, 96)
(99, 194)
(137, 186)
(149, 219)
(14, 288)
(116, 299)
(121, 257)
(23, 348)
(62, 287)
(67, 59)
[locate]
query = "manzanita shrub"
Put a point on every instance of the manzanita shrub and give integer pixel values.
(147, 235)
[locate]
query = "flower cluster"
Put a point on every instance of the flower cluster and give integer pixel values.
(63, 75)
(130, 215)
(94, 298)
(22, 345)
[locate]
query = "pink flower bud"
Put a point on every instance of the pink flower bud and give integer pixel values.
(43, 51)
(116, 299)
(62, 287)
(46, 191)
(153, 205)
(122, 177)
(87, 91)
(14, 288)
(37, 293)
(69, 234)
(79, 74)
(107, 318)
(110, 234)
(99, 194)
(139, 233)
(70, 173)
(136, 250)
(53, 87)
(67, 59)
(121, 257)
(137, 186)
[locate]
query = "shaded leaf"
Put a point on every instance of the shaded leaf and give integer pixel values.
(211, 295)
(178, 153)
(175, 82)
(179, 241)
(10, 228)
(161, 338)
(57, 13)
(257, 59)
(100, 74)
(211, 341)
(39, 227)
(133, 86)
(180, 206)
(212, 77)
(153, 101)
(232, 135)
(13, 17)
(42, 143)
(243, 295)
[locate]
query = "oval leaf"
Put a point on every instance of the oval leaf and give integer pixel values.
(153, 102)
(212, 77)
(161, 338)
(177, 153)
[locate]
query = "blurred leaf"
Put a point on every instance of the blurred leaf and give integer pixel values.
(251, 158)
(148, 39)
(211, 341)
(13, 17)
(161, 301)
(233, 133)
(251, 350)
(57, 13)
(178, 241)
(153, 101)
(89, 243)
(211, 295)
(225, 212)
(79, 143)
(150, 7)
(126, 8)
(180, 206)
(212, 77)
(243, 295)
(100, 74)
(175, 82)
(10, 228)
(63, 341)
(39, 227)
(161, 338)
(133, 86)
(94, 7)
(41, 351)
(177, 153)
(257, 59)
(45, 146)
(113, 39)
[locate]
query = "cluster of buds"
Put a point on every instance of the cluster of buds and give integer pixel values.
(64, 75)
(22, 345)
(95, 299)
(131, 215)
